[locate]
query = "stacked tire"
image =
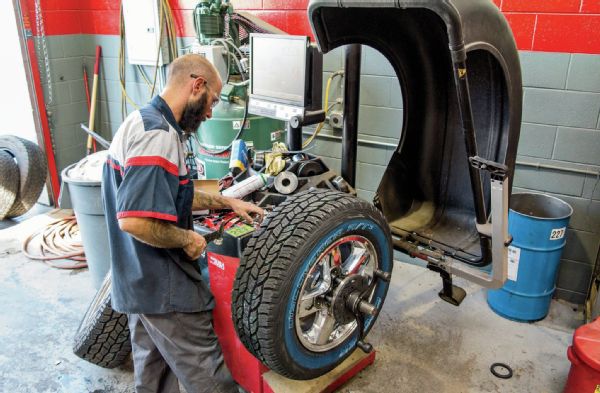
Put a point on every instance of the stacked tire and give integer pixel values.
(23, 171)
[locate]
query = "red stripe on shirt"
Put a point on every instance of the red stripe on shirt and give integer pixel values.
(144, 213)
(113, 164)
(184, 181)
(153, 160)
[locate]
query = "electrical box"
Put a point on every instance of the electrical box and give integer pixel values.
(142, 32)
(216, 54)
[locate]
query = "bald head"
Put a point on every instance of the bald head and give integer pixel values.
(192, 91)
(182, 67)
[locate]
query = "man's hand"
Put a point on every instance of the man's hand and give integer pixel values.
(246, 209)
(243, 209)
(196, 245)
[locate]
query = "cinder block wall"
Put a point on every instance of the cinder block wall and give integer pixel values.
(561, 127)
(65, 99)
(561, 118)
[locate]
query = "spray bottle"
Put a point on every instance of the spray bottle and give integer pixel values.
(246, 187)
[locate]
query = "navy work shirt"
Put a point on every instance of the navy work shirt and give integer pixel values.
(146, 176)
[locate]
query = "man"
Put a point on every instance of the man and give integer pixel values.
(149, 199)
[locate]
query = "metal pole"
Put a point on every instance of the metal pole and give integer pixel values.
(351, 102)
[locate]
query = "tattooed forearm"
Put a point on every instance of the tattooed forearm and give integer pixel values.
(165, 235)
(203, 201)
(156, 233)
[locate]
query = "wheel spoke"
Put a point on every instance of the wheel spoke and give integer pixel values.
(306, 308)
(358, 257)
(325, 283)
(322, 328)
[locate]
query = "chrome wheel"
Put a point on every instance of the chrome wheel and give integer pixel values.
(316, 327)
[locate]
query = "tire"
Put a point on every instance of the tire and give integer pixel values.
(103, 335)
(286, 251)
(9, 182)
(32, 171)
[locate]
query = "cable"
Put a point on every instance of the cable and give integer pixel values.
(326, 107)
(143, 74)
(124, 96)
(161, 19)
(171, 33)
(227, 43)
(59, 240)
(240, 84)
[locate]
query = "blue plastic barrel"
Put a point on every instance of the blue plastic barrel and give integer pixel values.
(538, 225)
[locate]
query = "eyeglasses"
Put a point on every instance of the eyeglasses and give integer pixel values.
(215, 98)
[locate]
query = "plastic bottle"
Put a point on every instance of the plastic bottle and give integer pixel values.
(248, 186)
(238, 161)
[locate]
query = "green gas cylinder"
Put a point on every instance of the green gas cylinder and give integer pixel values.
(217, 133)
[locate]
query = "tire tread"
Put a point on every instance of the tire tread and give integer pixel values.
(9, 183)
(103, 336)
(33, 171)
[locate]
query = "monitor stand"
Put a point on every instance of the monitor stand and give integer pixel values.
(296, 117)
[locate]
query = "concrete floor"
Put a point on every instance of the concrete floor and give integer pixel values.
(422, 343)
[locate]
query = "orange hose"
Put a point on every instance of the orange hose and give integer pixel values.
(58, 242)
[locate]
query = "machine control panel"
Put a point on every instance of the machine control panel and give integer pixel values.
(234, 233)
(273, 110)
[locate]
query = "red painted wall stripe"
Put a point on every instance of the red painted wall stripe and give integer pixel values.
(541, 6)
(590, 7)
(523, 27)
(577, 33)
(543, 25)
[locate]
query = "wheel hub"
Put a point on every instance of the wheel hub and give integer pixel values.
(349, 289)
(334, 288)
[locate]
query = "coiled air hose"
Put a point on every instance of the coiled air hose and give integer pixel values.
(59, 240)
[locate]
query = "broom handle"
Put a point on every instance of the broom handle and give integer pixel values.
(93, 100)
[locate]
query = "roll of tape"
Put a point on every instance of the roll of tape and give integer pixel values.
(286, 183)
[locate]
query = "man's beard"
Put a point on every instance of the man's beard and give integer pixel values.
(193, 114)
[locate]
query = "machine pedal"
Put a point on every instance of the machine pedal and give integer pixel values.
(455, 295)
(450, 293)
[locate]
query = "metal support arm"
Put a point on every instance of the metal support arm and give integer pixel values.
(500, 241)
(497, 230)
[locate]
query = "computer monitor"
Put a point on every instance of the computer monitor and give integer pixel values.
(280, 77)
(278, 68)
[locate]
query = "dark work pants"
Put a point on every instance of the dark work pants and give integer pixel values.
(177, 346)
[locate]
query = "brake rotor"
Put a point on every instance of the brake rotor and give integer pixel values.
(353, 284)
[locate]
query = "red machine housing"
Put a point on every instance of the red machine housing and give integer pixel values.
(220, 264)
(245, 368)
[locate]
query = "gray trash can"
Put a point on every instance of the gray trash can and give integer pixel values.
(86, 201)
